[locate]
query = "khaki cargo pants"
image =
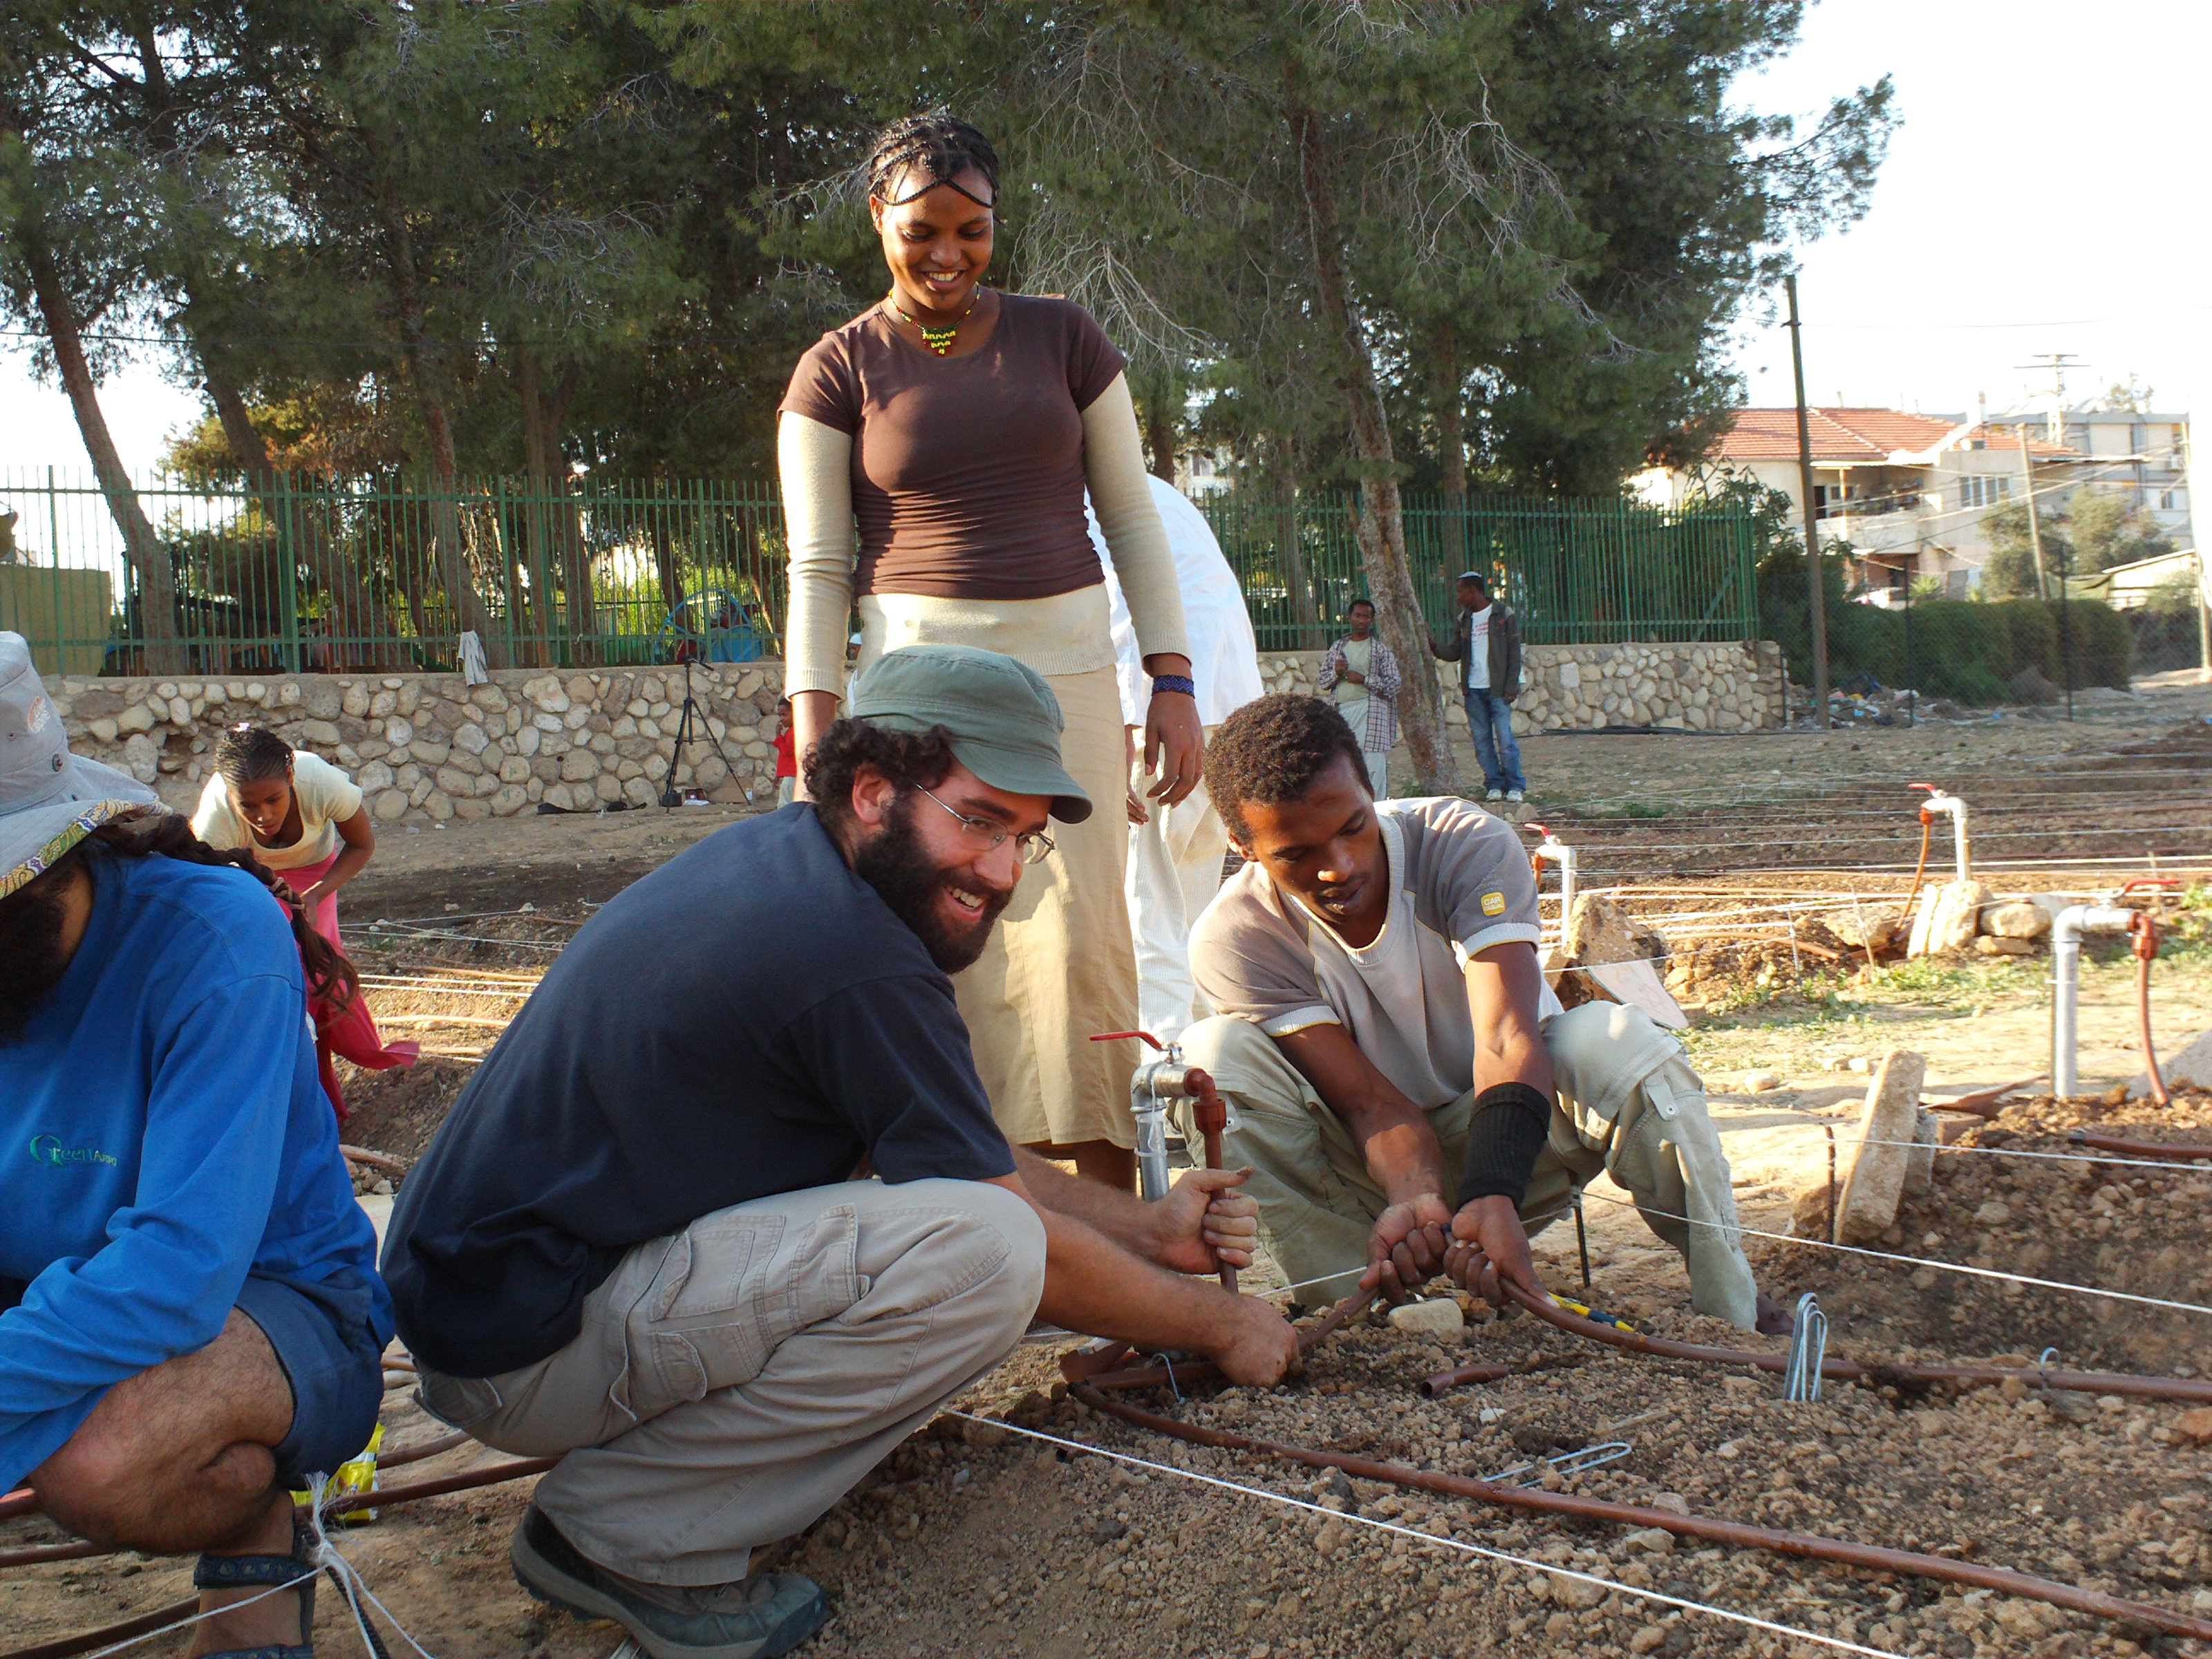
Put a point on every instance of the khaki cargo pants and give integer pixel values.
(1627, 1104)
(734, 1380)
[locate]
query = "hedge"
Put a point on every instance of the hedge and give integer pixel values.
(1967, 650)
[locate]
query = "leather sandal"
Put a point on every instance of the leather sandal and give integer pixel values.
(294, 1571)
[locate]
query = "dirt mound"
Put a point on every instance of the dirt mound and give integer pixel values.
(2069, 1216)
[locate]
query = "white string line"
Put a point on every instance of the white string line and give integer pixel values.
(1916, 1260)
(197, 1618)
(1486, 1553)
(2086, 1155)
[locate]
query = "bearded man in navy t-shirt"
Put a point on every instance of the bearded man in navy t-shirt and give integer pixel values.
(644, 1240)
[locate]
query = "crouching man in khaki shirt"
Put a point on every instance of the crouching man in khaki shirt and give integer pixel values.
(1411, 1099)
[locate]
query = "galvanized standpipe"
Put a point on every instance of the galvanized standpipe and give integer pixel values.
(1941, 800)
(2066, 931)
(1152, 1086)
(1553, 850)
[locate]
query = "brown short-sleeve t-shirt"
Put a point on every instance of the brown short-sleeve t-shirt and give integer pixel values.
(968, 474)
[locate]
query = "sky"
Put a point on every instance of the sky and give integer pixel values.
(2044, 194)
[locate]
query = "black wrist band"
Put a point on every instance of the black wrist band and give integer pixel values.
(1505, 1132)
(1182, 683)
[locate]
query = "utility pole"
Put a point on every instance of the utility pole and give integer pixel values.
(2058, 363)
(2034, 523)
(1817, 598)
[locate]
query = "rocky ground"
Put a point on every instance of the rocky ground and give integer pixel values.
(979, 1537)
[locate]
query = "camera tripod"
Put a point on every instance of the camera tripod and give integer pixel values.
(690, 724)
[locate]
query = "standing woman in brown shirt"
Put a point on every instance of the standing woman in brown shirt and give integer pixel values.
(962, 426)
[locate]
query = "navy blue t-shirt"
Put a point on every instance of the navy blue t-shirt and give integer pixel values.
(750, 1018)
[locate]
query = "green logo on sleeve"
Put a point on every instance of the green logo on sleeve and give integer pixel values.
(48, 1149)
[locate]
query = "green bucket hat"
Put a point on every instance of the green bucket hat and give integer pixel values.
(1006, 723)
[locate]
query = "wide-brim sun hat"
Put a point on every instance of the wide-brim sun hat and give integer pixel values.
(1004, 722)
(50, 798)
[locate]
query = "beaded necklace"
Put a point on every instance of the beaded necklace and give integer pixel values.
(938, 340)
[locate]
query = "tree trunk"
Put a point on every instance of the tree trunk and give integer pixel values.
(468, 610)
(1451, 446)
(164, 645)
(558, 538)
(1160, 427)
(362, 624)
(1379, 516)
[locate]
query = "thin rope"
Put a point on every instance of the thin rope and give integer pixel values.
(197, 1618)
(1486, 1553)
(2086, 1155)
(1915, 1260)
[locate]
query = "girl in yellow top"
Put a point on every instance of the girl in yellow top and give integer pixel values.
(303, 819)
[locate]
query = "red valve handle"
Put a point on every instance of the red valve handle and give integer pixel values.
(1123, 1036)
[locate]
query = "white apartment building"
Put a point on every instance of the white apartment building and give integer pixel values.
(1908, 492)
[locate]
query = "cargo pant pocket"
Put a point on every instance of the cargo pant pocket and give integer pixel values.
(730, 1289)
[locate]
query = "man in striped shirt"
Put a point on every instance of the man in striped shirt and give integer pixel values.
(1360, 676)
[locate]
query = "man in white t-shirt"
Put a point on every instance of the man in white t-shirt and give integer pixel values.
(1175, 851)
(1486, 642)
(1360, 676)
(1410, 1095)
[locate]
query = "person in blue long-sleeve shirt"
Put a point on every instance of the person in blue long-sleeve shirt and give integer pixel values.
(190, 1320)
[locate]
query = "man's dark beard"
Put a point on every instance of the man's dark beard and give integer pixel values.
(906, 878)
(31, 960)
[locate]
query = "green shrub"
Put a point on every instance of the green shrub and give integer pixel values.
(1967, 650)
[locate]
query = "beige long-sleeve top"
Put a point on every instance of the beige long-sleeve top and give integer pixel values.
(883, 412)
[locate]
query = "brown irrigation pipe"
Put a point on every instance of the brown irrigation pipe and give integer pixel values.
(1807, 1546)
(2197, 1389)
(491, 1475)
(1097, 1365)
(2146, 946)
(144, 1624)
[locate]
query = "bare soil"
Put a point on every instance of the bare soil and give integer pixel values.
(979, 1539)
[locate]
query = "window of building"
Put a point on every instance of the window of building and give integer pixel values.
(1977, 489)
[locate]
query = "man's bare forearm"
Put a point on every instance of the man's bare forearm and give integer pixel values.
(1121, 1217)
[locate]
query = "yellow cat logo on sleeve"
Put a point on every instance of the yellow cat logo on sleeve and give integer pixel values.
(1493, 904)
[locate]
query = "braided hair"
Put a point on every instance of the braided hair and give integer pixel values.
(247, 753)
(940, 146)
(331, 977)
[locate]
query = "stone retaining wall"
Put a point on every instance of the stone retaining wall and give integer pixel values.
(1733, 687)
(430, 748)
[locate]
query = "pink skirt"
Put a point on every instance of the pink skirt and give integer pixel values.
(343, 1028)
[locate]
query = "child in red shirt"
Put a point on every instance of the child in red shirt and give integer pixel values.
(786, 763)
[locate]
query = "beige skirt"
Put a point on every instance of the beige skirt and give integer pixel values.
(1060, 966)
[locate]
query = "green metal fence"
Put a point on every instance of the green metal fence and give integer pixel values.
(290, 573)
(1577, 571)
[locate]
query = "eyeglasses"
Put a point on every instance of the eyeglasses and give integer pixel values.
(987, 837)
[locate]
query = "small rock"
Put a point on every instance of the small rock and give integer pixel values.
(1652, 1540)
(2110, 1404)
(1758, 1082)
(1109, 1527)
(1997, 944)
(1559, 1627)
(1330, 1540)
(1727, 1449)
(1439, 1317)
(1577, 1592)
(2017, 920)
(2195, 1424)
(1648, 1638)
(1860, 1064)
(992, 1434)
(1671, 1500)
(1994, 1213)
